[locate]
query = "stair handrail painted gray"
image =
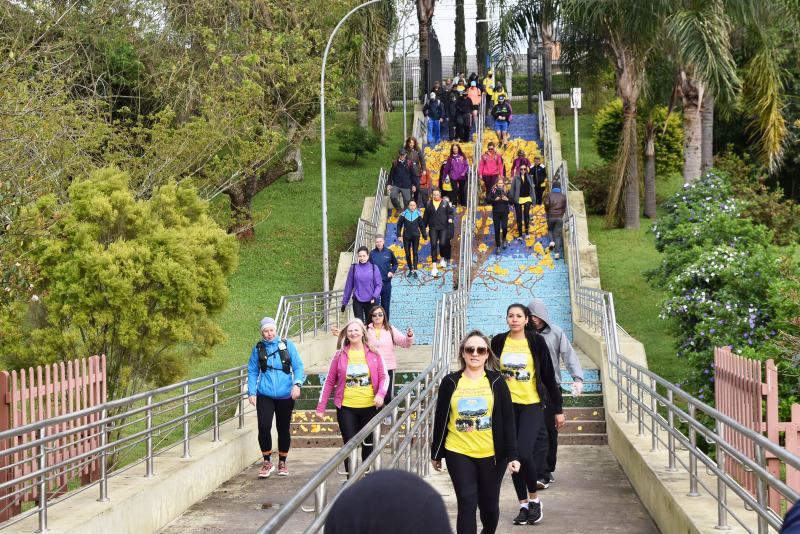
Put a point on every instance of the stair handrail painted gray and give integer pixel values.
(380, 197)
(308, 313)
(412, 451)
(641, 392)
(365, 236)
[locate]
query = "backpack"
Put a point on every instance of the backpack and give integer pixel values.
(425, 180)
(286, 360)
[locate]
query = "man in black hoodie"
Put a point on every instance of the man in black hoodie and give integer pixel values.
(403, 181)
(389, 502)
(451, 111)
(439, 215)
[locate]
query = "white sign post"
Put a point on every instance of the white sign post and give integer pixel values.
(575, 104)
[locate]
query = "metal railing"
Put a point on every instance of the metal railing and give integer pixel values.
(406, 445)
(380, 198)
(309, 313)
(468, 218)
(365, 236)
(132, 431)
(669, 416)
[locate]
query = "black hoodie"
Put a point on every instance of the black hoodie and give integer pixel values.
(546, 386)
(504, 432)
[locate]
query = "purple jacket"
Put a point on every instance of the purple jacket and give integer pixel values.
(457, 168)
(365, 280)
(517, 162)
(337, 374)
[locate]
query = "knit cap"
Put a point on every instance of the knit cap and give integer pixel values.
(267, 321)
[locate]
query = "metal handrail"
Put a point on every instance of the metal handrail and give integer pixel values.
(641, 392)
(365, 236)
(304, 313)
(380, 197)
(418, 398)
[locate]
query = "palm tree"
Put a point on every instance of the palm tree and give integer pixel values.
(481, 35)
(460, 59)
(424, 15)
(630, 29)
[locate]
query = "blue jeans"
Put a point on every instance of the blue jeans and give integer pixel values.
(386, 296)
(434, 132)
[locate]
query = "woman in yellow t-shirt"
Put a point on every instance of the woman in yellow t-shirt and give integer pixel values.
(358, 380)
(526, 365)
(473, 431)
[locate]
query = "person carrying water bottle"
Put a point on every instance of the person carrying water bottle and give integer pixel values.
(274, 377)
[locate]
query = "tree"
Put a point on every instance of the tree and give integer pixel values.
(424, 15)
(137, 280)
(460, 57)
(481, 35)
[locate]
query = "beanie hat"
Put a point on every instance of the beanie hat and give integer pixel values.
(267, 321)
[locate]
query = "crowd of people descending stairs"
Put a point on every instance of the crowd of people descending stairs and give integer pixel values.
(502, 410)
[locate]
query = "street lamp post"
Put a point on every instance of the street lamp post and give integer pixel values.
(324, 169)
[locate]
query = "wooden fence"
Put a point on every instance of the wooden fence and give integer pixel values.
(749, 397)
(32, 395)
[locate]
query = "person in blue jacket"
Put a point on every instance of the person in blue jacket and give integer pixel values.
(386, 262)
(274, 376)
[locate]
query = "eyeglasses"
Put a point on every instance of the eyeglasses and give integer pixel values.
(377, 314)
(480, 351)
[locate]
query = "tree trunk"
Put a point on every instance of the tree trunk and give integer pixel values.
(294, 155)
(650, 170)
(242, 193)
(380, 93)
(547, 61)
(692, 95)
(424, 15)
(631, 168)
(481, 36)
(707, 150)
(362, 114)
(460, 58)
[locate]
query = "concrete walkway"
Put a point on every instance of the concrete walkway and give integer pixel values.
(591, 495)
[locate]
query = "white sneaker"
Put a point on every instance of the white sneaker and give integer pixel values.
(551, 246)
(434, 271)
(443, 263)
(557, 256)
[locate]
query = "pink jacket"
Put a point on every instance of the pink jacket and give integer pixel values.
(337, 374)
(385, 345)
(491, 166)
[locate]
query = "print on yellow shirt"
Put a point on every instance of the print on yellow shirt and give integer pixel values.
(516, 364)
(469, 429)
(358, 383)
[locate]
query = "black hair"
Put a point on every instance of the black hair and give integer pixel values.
(365, 249)
(524, 309)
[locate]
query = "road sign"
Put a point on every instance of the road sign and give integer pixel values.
(575, 98)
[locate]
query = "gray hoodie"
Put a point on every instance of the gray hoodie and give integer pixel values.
(557, 342)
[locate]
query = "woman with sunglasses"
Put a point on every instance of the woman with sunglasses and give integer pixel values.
(358, 376)
(528, 369)
(474, 432)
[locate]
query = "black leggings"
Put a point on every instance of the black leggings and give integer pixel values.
(389, 390)
(500, 222)
(476, 482)
(529, 419)
(351, 421)
(459, 194)
(411, 246)
(438, 243)
(523, 211)
(361, 310)
(552, 442)
(266, 407)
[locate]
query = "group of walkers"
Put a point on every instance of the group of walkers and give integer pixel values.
(453, 107)
(502, 412)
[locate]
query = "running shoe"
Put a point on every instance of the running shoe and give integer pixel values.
(534, 512)
(522, 516)
(266, 470)
(542, 484)
(283, 471)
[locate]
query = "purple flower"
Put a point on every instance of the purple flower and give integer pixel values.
(712, 331)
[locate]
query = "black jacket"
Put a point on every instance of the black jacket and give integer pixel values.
(438, 219)
(546, 385)
(464, 106)
(504, 430)
(433, 110)
(498, 205)
(403, 174)
(450, 106)
(410, 229)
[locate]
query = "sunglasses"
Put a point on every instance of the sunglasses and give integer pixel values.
(480, 351)
(377, 314)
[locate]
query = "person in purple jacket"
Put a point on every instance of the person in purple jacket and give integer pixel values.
(456, 170)
(363, 284)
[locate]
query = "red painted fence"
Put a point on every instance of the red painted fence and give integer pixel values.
(749, 397)
(31, 395)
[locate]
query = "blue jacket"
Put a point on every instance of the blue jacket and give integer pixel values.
(274, 383)
(385, 261)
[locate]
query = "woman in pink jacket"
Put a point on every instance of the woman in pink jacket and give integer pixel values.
(383, 337)
(358, 375)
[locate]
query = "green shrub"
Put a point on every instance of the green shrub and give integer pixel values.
(607, 131)
(357, 141)
(595, 183)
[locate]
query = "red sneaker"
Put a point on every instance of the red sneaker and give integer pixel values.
(283, 471)
(266, 470)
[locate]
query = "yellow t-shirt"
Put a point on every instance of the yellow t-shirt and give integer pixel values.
(469, 430)
(436, 204)
(378, 333)
(358, 384)
(516, 364)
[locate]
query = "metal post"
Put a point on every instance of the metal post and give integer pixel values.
(639, 407)
(186, 421)
(103, 469)
(653, 417)
(628, 391)
(320, 496)
(692, 455)
(670, 436)
(353, 463)
(577, 144)
(216, 409)
(405, 113)
(761, 491)
(149, 439)
(376, 437)
(42, 434)
(323, 162)
(241, 397)
(722, 488)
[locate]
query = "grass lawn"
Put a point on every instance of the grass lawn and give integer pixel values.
(588, 155)
(285, 256)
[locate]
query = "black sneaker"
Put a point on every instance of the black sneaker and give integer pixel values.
(534, 512)
(522, 516)
(542, 484)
